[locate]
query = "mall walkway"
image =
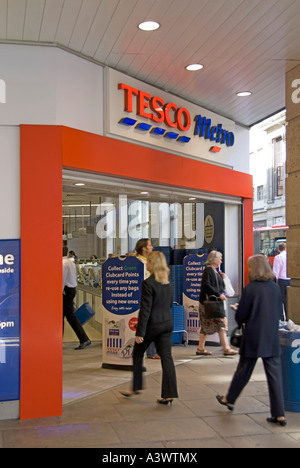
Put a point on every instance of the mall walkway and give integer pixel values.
(96, 415)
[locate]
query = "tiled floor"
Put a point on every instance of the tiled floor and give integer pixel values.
(96, 415)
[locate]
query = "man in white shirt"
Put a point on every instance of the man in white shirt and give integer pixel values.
(280, 271)
(69, 293)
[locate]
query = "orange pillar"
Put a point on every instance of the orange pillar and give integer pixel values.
(41, 272)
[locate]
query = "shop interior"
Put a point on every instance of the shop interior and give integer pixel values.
(104, 216)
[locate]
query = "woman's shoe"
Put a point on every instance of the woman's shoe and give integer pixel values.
(129, 394)
(203, 352)
(224, 403)
(165, 401)
(281, 422)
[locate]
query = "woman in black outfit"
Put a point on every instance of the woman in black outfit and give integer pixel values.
(212, 285)
(260, 310)
(155, 323)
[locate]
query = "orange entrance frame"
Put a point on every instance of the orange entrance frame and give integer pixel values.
(45, 151)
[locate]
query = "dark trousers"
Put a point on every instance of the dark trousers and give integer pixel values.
(162, 337)
(243, 374)
(283, 284)
(68, 312)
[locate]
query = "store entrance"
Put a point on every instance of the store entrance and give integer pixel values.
(105, 216)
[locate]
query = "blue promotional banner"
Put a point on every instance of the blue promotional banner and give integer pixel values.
(9, 320)
(122, 279)
(193, 267)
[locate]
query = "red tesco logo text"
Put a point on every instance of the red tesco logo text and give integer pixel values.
(168, 113)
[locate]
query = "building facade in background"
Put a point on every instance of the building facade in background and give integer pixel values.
(268, 167)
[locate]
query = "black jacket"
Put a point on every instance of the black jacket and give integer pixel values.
(156, 304)
(212, 284)
(260, 309)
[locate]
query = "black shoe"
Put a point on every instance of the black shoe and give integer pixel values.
(84, 345)
(220, 400)
(165, 401)
(282, 422)
(129, 394)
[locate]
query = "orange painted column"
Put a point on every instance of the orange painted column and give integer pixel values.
(41, 272)
(45, 150)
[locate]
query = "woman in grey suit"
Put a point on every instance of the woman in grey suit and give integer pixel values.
(259, 310)
(155, 323)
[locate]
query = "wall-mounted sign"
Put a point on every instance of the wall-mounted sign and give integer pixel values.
(209, 229)
(141, 113)
(9, 319)
(170, 115)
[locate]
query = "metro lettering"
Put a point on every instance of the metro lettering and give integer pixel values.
(217, 134)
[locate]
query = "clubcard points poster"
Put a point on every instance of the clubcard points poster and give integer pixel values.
(122, 279)
(9, 320)
(193, 267)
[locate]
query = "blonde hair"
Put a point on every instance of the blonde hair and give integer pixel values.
(158, 267)
(260, 268)
(213, 257)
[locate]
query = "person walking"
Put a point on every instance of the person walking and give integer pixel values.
(259, 311)
(143, 249)
(212, 285)
(69, 293)
(155, 323)
(280, 271)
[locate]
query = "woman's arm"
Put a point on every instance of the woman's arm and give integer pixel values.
(145, 309)
(243, 310)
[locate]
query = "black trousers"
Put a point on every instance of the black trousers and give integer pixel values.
(283, 284)
(273, 372)
(68, 312)
(162, 337)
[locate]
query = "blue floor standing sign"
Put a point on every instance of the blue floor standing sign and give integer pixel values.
(121, 293)
(9, 320)
(193, 267)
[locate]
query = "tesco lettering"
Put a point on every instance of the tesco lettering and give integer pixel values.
(180, 119)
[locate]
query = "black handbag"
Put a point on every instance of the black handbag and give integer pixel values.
(236, 337)
(214, 308)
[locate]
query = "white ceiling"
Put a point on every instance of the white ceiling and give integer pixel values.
(243, 44)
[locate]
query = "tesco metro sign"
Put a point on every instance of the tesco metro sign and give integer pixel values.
(176, 119)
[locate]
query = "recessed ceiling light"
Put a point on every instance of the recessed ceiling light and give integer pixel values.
(79, 184)
(144, 193)
(149, 26)
(244, 93)
(194, 67)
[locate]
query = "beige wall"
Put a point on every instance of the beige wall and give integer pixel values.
(293, 190)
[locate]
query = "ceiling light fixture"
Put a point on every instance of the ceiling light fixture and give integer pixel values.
(243, 93)
(79, 184)
(149, 26)
(194, 67)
